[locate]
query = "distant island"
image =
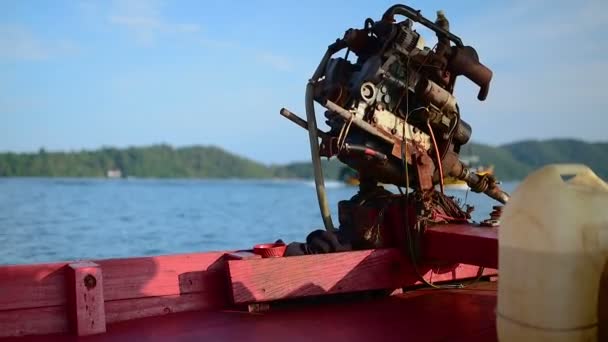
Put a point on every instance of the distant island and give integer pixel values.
(511, 161)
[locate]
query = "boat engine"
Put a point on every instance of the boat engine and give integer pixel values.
(391, 111)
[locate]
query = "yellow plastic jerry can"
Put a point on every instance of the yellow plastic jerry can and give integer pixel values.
(553, 244)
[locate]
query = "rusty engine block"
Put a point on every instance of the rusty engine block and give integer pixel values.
(390, 104)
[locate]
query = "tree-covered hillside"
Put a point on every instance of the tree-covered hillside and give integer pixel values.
(511, 161)
(535, 154)
(154, 161)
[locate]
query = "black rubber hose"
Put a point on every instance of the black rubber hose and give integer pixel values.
(314, 137)
(366, 151)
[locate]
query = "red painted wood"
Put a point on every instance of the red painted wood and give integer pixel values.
(419, 315)
(44, 286)
(262, 280)
(278, 278)
(242, 255)
(38, 321)
(41, 285)
(157, 276)
(128, 309)
(32, 286)
(86, 307)
(462, 244)
(33, 297)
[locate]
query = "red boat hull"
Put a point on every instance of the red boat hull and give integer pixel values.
(138, 298)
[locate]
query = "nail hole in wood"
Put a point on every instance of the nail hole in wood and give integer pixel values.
(90, 281)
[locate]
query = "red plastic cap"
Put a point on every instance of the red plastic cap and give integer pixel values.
(270, 250)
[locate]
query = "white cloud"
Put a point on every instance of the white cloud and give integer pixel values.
(136, 23)
(277, 62)
(17, 42)
(550, 64)
(217, 43)
(144, 20)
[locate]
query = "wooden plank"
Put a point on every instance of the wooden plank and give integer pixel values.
(42, 285)
(242, 255)
(462, 244)
(31, 286)
(455, 273)
(38, 321)
(200, 290)
(157, 276)
(277, 278)
(86, 309)
(213, 294)
(260, 280)
(292, 277)
(128, 309)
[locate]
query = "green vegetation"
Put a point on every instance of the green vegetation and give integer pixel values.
(511, 161)
(514, 161)
(160, 161)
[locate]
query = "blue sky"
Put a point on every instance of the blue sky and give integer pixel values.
(85, 74)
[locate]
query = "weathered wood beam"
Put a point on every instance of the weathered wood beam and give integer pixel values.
(462, 244)
(262, 280)
(86, 308)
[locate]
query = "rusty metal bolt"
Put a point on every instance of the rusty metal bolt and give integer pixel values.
(393, 130)
(90, 281)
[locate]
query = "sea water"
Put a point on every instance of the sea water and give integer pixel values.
(56, 219)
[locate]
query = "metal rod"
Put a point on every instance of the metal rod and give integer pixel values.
(301, 122)
(418, 17)
(492, 189)
(346, 115)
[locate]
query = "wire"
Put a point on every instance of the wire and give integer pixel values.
(405, 208)
(346, 131)
(405, 204)
(439, 164)
(342, 129)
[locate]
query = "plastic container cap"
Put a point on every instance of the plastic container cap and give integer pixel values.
(270, 250)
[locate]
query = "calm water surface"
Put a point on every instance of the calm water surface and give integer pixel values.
(44, 219)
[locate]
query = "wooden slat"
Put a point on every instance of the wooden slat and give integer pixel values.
(86, 309)
(128, 309)
(242, 255)
(156, 276)
(38, 321)
(462, 244)
(202, 290)
(42, 285)
(260, 280)
(31, 286)
(277, 278)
